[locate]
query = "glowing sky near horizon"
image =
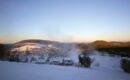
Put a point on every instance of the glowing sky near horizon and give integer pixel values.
(64, 20)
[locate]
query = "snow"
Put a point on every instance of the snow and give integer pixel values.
(24, 48)
(35, 48)
(109, 69)
(104, 67)
(29, 47)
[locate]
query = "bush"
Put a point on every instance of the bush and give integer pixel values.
(125, 65)
(85, 60)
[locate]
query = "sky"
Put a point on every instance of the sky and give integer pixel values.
(64, 20)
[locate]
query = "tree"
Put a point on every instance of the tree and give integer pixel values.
(84, 60)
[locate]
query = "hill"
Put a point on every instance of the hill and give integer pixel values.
(99, 44)
(46, 46)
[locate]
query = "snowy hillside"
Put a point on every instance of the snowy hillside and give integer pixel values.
(34, 48)
(23, 71)
(104, 67)
(59, 63)
(29, 47)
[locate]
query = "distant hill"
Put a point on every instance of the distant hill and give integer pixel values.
(103, 44)
(36, 41)
(122, 49)
(54, 46)
(82, 46)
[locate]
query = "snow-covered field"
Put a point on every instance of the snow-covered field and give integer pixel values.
(108, 68)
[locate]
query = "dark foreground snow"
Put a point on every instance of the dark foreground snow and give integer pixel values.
(27, 71)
